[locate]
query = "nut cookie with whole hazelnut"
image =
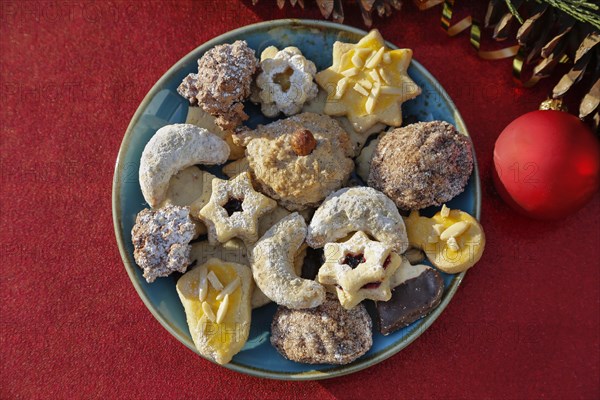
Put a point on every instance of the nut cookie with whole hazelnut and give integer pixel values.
(298, 160)
(421, 165)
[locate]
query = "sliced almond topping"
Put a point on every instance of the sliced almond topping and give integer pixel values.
(453, 244)
(395, 91)
(229, 288)
(374, 75)
(365, 83)
(376, 90)
(202, 285)
(370, 104)
(381, 72)
(439, 228)
(361, 89)
(387, 58)
(340, 89)
(375, 59)
(350, 72)
(208, 312)
(370, 56)
(214, 281)
(455, 230)
(357, 60)
(445, 212)
(387, 78)
(222, 311)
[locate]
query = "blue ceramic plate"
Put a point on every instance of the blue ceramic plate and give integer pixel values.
(162, 106)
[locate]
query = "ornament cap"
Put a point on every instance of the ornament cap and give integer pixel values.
(553, 104)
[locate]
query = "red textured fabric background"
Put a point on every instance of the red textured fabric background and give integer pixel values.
(524, 323)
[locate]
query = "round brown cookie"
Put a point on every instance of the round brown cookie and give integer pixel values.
(422, 164)
(327, 334)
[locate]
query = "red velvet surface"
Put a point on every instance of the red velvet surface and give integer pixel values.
(524, 323)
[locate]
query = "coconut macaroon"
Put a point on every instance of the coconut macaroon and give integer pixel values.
(421, 165)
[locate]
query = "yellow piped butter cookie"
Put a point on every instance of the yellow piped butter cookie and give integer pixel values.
(216, 298)
(452, 239)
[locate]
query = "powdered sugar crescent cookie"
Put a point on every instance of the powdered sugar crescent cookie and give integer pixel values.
(276, 215)
(173, 148)
(358, 209)
(272, 261)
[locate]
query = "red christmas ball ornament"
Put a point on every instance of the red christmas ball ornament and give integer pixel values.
(547, 164)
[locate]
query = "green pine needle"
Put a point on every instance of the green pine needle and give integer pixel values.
(581, 10)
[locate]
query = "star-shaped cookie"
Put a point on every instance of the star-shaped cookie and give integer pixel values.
(359, 269)
(368, 82)
(234, 209)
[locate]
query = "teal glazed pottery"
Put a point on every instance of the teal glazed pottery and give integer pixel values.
(163, 106)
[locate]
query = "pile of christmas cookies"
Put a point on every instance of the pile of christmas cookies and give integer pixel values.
(302, 213)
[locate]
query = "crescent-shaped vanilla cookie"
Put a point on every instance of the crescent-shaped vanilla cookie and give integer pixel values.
(173, 148)
(358, 209)
(272, 261)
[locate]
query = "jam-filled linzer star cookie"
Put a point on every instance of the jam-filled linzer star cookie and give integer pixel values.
(368, 82)
(234, 209)
(359, 269)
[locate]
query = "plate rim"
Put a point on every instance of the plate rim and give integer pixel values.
(128, 263)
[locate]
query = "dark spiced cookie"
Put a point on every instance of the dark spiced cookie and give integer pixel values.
(421, 165)
(327, 334)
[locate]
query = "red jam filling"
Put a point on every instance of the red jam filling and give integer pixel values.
(371, 285)
(353, 260)
(233, 205)
(387, 261)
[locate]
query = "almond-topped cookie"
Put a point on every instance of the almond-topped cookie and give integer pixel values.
(299, 160)
(368, 82)
(216, 297)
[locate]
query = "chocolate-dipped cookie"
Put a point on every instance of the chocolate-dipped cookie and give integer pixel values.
(417, 291)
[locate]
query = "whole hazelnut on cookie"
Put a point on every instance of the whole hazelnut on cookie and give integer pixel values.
(299, 160)
(303, 142)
